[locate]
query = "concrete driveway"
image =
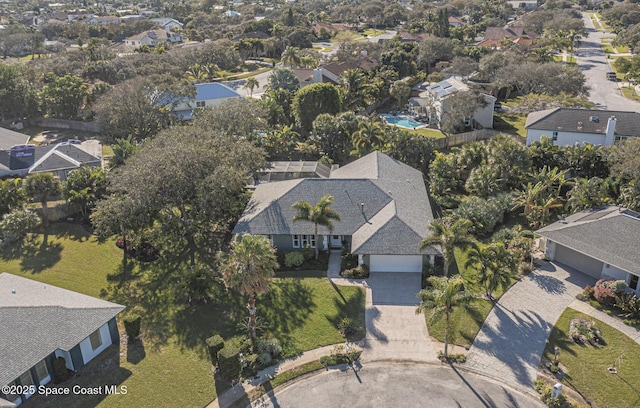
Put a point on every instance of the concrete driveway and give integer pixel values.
(394, 331)
(512, 338)
(391, 385)
(594, 64)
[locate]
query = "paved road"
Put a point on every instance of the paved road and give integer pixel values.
(512, 338)
(390, 385)
(594, 64)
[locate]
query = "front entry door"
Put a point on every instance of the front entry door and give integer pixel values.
(335, 241)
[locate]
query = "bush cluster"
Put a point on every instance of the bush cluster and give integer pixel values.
(214, 345)
(60, 370)
(340, 356)
(132, 325)
(347, 327)
(452, 358)
(359, 272)
(604, 293)
(293, 259)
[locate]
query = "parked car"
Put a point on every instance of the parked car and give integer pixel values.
(497, 106)
(611, 76)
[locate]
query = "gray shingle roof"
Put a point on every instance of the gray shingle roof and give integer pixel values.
(396, 206)
(38, 319)
(9, 138)
(581, 120)
(61, 156)
(609, 234)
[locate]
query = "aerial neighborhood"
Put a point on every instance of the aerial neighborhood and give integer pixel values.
(242, 203)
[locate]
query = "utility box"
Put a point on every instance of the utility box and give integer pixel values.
(556, 391)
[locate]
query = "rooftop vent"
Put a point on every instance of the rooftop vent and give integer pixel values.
(594, 119)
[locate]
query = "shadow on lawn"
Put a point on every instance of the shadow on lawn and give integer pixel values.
(347, 309)
(34, 256)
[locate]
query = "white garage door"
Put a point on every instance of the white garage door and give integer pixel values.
(578, 261)
(395, 263)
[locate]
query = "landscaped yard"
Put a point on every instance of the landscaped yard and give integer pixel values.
(630, 93)
(172, 368)
(465, 323)
(433, 133)
(587, 365)
(510, 123)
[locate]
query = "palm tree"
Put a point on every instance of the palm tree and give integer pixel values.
(352, 83)
(290, 56)
(41, 187)
(196, 73)
(368, 137)
(588, 193)
(441, 296)
(248, 267)
(251, 84)
(494, 264)
(279, 31)
(449, 236)
(319, 214)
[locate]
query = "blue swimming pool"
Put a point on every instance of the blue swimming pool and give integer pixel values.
(402, 121)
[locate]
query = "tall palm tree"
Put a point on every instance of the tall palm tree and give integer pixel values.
(290, 56)
(352, 83)
(279, 31)
(449, 236)
(494, 264)
(251, 84)
(247, 268)
(319, 214)
(42, 187)
(441, 297)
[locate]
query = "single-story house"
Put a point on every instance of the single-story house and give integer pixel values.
(9, 138)
(331, 72)
(153, 37)
(383, 206)
(289, 170)
(41, 322)
(167, 23)
(568, 126)
(209, 94)
(60, 159)
(456, 22)
(432, 101)
(494, 36)
(603, 243)
(104, 20)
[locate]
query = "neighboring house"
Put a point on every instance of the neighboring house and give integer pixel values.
(601, 242)
(9, 138)
(432, 101)
(566, 126)
(168, 24)
(41, 322)
(528, 5)
(456, 22)
(79, 15)
(232, 14)
(105, 20)
(60, 159)
(330, 73)
(405, 36)
(210, 94)
(153, 37)
(383, 206)
(494, 36)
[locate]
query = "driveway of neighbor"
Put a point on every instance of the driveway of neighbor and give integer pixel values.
(512, 338)
(396, 385)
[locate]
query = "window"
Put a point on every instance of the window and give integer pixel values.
(12, 397)
(309, 240)
(201, 104)
(96, 339)
(296, 241)
(633, 282)
(26, 378)
(41, 370)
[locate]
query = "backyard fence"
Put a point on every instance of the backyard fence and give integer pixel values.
(481, 134)
(67, 124)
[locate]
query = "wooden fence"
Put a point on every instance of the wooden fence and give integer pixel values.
(67, 124)
(481, 134)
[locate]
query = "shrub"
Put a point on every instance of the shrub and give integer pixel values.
(582, 297)
(584, 331)
(485, 214)
(629, 304)
(603, 292)
(60, 370)
(595, 304)
(618, 286)
(588, 291)
(132, 325)
(270, 346)
(452, 358)
(308, 252)
(339, 356)
(214, 345)
(347, 327)
(229, 362)
(359, 272)
(17, 223)
(349, 260)
(293, 259)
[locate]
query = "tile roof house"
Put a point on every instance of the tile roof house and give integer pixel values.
(59, 159)
(493, 36)
(209, 94)
(566, 126)
(9, 138)
(432, 101)
(383, 206)
(603, 243)
(41, 322)
(153, 37)
(331, 72)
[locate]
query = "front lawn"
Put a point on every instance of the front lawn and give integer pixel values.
(465, 323)
(171, 367)
(586, 366)
(629, 93)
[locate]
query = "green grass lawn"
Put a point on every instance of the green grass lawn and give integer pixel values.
(607, 48)
(172, 369)
(372, 32)
(434, 133)
(464, 323)
(510, 123)
(587, 365)
(621, 49)
(629, 93)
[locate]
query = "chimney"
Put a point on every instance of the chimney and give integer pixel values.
(609, 137)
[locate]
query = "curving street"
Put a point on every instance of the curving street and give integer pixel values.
(397, 385)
